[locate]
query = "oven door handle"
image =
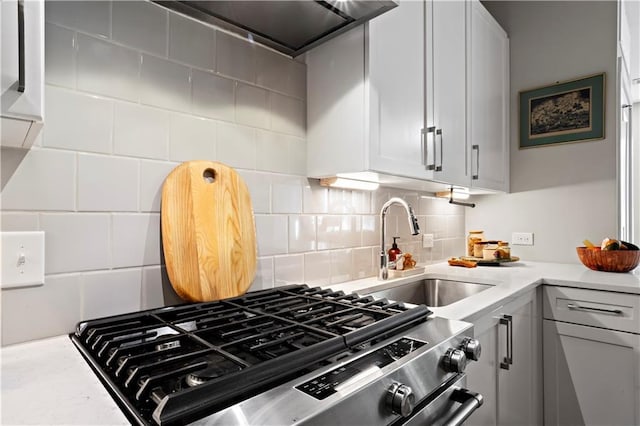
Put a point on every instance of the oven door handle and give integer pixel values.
(470, 401)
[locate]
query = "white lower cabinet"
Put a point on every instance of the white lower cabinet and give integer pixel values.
(509, 372)
(591, 370)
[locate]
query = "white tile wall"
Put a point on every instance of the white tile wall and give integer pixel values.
(235, 57)
(107, 183)
(213, 96)
(289, 269)
(111, 292)
(191, 138)
(59, 53)
(89, 16)
(191, 42)
(170, 90)
(38, 312)
(136, 240)
(141, 25)
(76, 241)
(141, 131)
(152, 176)
(45, 180)
(165, 84)
(107, 69)
(236, 145)
(78, 121)
(252, 106)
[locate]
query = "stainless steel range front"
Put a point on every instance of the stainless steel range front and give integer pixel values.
(291, 355)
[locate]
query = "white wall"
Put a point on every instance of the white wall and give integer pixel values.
(132, 90)
(565, 193)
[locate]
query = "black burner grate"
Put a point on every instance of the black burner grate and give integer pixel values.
(180, 363)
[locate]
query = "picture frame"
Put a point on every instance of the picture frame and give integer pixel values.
(564, 112)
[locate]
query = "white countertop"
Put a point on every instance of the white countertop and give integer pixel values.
(48, 382)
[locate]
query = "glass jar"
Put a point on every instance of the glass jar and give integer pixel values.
(473, 238)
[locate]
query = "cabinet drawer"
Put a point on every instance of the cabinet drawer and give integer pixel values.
(616, 311)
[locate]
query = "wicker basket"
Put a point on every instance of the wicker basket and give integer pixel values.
(609, 260)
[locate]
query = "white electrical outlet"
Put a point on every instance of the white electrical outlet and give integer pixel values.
(427, 240)
(522, 238)
(22, 256)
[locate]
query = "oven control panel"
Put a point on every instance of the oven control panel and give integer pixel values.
(329, 383)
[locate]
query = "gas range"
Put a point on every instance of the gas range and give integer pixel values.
(283, 356)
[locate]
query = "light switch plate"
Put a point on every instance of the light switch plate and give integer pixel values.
(427, 240)
(522, 238)
(22, 256)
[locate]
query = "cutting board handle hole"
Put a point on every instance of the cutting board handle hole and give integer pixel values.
(209, 175)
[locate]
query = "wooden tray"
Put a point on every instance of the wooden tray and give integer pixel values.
(394, 273)
(490, 262)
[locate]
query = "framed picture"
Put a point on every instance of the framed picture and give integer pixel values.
(572, 111)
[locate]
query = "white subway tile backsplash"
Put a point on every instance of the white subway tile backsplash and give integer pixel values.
(264, 274)
(140, 24)
(38, 312)
(341, 265)
(286, 194)
(192, 138)
(336, 232)
(271, 232)
(252, 107)
(259, 185)
(156, 289)
(107, 69)
(317, 268)
(455, 227)
(280, 73)
(107, 183)
(135, 240)
(302, 234)
(236, 145)
(364, 262)
(92, 17)
(141, 131)
(78, 121)
(111, 292)
(44, 180)
(59, 56)
(370, 230)
(287, 114)
(341, 201)
(18, 221)
(235, 57)
(213, 96)
(151, 293)
(191, 42)
(289, 270)
(165, 84)
(297, 156)
(75, 241)
(315, 198)
(152, 176)
(272, 151)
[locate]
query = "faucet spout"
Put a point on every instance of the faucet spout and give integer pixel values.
(413, 225)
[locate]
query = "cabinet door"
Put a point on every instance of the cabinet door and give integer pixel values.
(396, 63)
(448, 68)
(520, 386)
(482, 375)
(591, 375)
(488, 101)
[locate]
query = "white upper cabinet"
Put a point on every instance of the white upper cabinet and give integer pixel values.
(387, 101)
(488, 101)
(22, 87)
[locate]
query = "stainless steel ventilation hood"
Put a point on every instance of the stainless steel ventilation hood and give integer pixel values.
(291, 26)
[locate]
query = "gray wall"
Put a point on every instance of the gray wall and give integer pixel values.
(133, 90)
(564, 193)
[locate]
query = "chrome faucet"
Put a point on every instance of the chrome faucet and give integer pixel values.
(413, 224)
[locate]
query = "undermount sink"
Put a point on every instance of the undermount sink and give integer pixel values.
(432, 292)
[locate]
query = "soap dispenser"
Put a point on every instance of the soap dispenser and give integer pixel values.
(394, 252)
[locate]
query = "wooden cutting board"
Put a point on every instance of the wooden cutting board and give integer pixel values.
(208, 231)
